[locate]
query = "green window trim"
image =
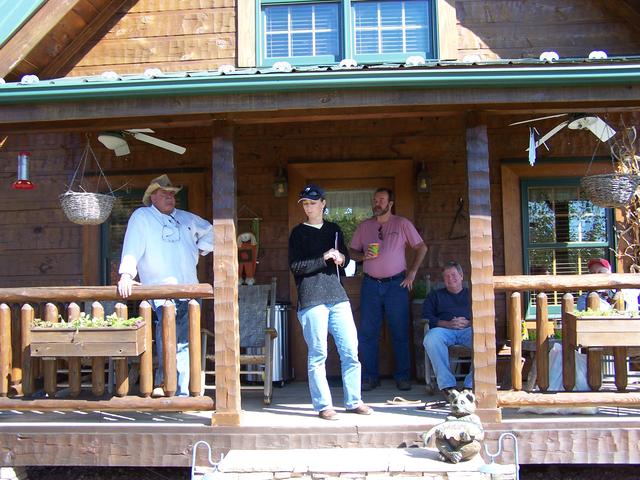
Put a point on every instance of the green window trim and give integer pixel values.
(346, 38)
(554, 307)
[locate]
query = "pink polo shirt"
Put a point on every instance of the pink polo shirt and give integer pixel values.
(396, 233)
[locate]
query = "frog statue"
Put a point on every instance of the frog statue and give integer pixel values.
(458, 437)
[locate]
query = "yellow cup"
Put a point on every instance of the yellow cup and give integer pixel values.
(374, 249)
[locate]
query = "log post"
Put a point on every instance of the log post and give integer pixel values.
(120, 364)
(542, 342)
(26, 320)
(16, 355)
(481, 275)
(515, 321)
(225, 276)
(568, 344)
(74, 375)
(620, 353)
(5, 348)
(50, 364)
(195, 360)
(594, 354)
(146, 359)
(169, 358)
(97, 363)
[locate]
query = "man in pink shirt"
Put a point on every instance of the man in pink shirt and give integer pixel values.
(385, 286)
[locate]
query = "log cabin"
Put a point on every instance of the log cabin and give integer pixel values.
(348, 101)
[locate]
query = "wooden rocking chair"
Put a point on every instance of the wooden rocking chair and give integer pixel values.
(256, 305)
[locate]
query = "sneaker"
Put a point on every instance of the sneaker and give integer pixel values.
(361, 409)
(328, 414)
(403, 384)
(157, 392)
(368, 385)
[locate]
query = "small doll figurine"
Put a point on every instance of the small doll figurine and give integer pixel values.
(247, 256)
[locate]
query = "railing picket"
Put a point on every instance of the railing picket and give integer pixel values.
(97, 363)
(169, 348)
(74, 375)
(568, 345)
(620, 353)
(542, 342)
(26, 319)
(515, 321)
(195, 362)
(121, 365)
(146, 359)
(5, 348)
(594, 354)
(50, 365)
(16, 352)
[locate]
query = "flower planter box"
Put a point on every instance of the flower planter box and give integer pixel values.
(606, 331)
(88, 342)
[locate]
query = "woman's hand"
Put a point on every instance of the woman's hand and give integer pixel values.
(335, 255)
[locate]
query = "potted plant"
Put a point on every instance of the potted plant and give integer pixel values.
(88, 336)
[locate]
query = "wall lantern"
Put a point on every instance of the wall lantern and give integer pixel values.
(23, 182)
(423, 180)
(497, 470)
(280, 184)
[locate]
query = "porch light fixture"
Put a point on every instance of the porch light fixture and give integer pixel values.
(423, 180)
(23, 182)
(497, 470)
(280, 184)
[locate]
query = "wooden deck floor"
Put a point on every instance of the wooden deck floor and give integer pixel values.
(612, 435)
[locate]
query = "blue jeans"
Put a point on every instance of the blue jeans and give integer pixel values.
(316, 322)
(376, 299)
(436, 343)
(182, 345)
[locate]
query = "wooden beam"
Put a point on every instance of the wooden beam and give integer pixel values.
(132, 111)
(79, 294)
(225, 275)
(481, 276)
(32, 32)
(128, 403)
(70, 51)
(447, 29)
(513, 399)
(565, 283)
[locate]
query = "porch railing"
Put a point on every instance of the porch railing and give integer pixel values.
(544, 328)
(19, 368)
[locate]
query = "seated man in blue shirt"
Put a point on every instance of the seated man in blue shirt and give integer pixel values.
(448, 310)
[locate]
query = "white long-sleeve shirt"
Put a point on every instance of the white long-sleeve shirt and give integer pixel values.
(164, 249)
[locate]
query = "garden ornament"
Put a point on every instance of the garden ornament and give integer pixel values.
(458, 437)
(247, 256)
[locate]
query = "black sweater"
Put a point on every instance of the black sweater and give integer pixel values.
(317, 281)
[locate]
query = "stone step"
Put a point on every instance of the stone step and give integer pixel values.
(343, 463)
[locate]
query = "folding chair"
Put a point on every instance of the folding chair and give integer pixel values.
(256, 304)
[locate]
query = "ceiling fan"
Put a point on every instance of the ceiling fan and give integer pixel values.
(117, 141)
(576, 121)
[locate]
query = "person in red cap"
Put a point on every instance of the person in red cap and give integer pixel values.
(598, 265)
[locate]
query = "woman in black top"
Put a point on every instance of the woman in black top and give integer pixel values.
(316, 253)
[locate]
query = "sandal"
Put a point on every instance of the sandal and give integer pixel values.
(403, 401)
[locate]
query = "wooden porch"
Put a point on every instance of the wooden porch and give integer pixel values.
(165, 439)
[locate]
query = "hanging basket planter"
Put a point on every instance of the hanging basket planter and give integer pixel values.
(82, 207)
(86, 208)
(610, 190)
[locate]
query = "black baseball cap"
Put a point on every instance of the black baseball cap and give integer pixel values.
(311, 192)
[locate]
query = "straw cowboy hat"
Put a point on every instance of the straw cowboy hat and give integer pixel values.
(159, 182)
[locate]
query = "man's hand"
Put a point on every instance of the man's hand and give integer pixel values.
(125, 285)
(458, 323)
(408, 280)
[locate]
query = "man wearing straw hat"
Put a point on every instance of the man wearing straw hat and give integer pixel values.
(162, 246)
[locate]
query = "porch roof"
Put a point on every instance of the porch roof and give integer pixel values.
(506, 74)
